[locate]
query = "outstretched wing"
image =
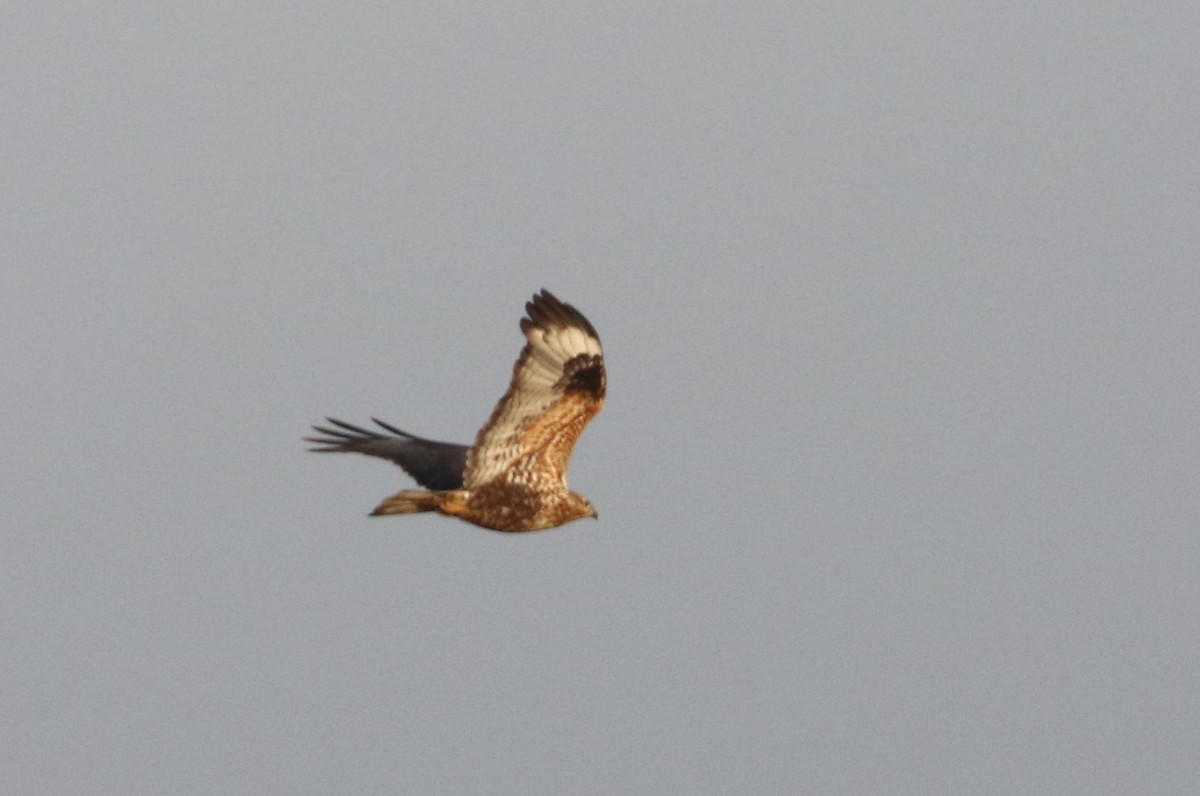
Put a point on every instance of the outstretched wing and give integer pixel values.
(434, 465)
(557, 386)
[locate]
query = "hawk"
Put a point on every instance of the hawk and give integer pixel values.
(514, 478)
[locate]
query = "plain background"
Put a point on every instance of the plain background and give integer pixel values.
(897, 479)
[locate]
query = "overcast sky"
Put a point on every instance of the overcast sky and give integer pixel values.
(897, 479)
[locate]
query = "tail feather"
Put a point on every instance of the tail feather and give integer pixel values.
(408, 501)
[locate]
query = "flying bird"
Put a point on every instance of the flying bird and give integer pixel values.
(514, 478)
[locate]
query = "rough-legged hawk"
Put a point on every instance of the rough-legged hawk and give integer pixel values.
(514, 478)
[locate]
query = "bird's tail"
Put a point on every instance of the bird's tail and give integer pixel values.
(409, 501)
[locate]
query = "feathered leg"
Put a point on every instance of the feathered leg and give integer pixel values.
(409, 501)
(413, 501)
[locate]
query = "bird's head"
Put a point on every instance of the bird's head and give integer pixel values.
(583, 507)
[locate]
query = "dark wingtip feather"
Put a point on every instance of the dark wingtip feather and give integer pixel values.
(351, 427)
(391, 428)
(545, 310)
(337, 441)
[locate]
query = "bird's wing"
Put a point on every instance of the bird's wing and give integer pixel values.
(434, 465)
(558, 385)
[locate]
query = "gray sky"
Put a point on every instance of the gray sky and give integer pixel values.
(898, 474)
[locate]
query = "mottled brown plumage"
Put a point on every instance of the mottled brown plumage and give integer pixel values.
(513, 478)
